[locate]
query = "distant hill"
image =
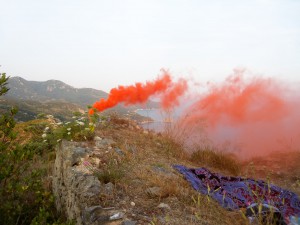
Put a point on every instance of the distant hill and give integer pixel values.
(52, 90)
(28, 109)
(56, 98)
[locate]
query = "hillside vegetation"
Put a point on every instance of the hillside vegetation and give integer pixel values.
(138, 165)
(52, 90)
(56, 98)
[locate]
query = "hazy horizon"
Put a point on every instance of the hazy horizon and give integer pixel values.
(102, 44)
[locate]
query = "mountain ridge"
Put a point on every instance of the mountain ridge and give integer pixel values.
(50, 90)
(57, 98)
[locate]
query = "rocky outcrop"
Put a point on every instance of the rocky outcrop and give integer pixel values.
(76, 189)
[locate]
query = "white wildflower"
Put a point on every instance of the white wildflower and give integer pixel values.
(68, 129)
(80, 123)
(68, 123)
(69, 133)
(44, 136)
(59, 140)
(44, 140)
(91, 124)
(46, 128)
(74, 117)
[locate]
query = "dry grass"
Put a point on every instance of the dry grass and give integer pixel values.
(148, 159)
(211, 158)
(24, 132)
(280, 168)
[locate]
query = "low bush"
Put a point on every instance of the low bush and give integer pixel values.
(25, 168)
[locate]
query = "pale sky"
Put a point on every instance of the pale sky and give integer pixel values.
(101, 44)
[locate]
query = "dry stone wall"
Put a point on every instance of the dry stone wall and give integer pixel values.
(76, 190)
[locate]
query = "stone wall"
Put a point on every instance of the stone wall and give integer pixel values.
(76, 190)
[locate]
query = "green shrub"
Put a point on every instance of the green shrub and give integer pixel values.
(41, 116)
(111, 174)
(25, 196)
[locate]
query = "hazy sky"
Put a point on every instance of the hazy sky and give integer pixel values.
(100, 44)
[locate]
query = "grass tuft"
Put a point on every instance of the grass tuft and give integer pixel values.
(212, 158)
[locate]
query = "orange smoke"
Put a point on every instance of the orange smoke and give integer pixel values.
(238, 101)
(170, 97)
(257, 115)
(163, 87)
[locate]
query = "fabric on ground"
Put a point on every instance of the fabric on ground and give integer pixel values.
(237, 192)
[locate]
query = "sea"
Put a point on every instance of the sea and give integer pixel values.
(161, 119)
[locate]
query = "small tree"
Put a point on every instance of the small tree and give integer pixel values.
(7, 121)
(7, 124)
(3, 83)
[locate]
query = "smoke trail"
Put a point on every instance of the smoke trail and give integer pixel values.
(258, 115)
(170, 97)
(163, 87)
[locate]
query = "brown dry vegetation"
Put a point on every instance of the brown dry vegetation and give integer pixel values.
(147, 165)
(144, 175)
(23, 136)
(280, 168)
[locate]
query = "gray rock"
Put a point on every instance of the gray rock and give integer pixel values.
(77, 155)
(98, 215)
(90, 186)
(97, 138)
(119, 151)
(117, 216)
(92, 213)
(109, 188)
(164, 206)
(74, 190)
(154, 191)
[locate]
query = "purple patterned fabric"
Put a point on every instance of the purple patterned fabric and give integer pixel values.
(236, 192)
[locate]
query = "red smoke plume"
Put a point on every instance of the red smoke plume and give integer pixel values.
(163, 87)
(257, 115)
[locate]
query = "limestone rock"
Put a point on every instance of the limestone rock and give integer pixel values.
(97, 138)
(73, 189)
(77, 155)
(164, 206)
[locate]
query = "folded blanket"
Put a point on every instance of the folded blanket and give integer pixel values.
(237, 192)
